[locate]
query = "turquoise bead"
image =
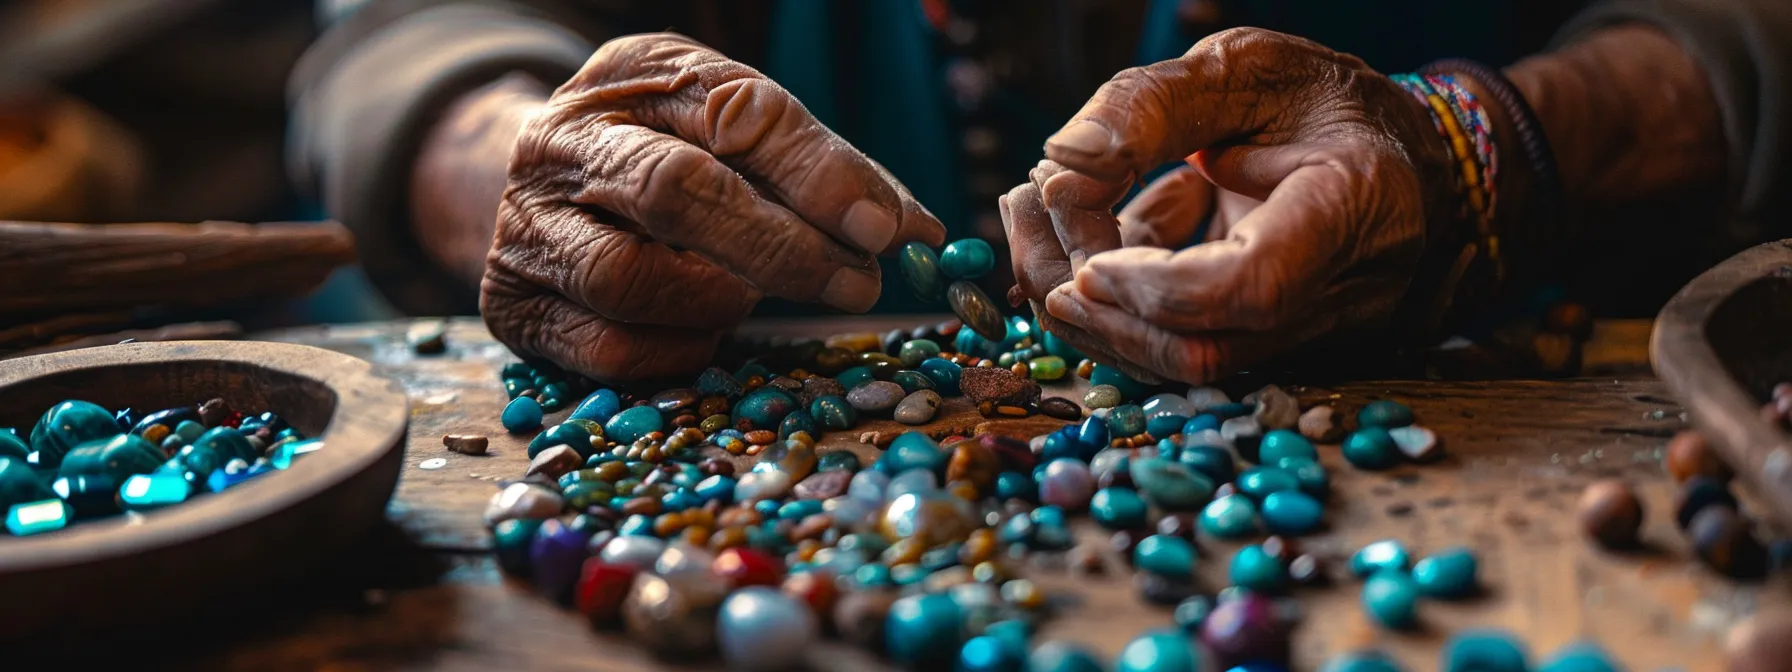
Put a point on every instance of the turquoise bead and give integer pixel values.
(1126, 420)
(119, 457)
(628, 426)
(989, 654)
(1230, 517)
(1392, 599)
(798, 421)
(1170, 485)
(19, 483)
(1313, 479)
(911, 381)
(1162, 426)
(1165, 555)
(522, 414)
(1384, 414)
(1256, 570)
(832, 412)
(515, 387)
(1371, 448)
(764, 408)
(912, 450)
(1259, 482)
(1385, 554)
(1160, 651)
(153, 491)
(921, 270)
(840, 460)
(569, 434)
(1211, 461)
(69, 424)
(912, 353)
(1201, 422)
(923, 630)
(287, 453)
(599, 407)
(854, 377)
(1447, 574)
(1191, 613)
(1292, 512)
(1056, 656)
(945, 375)
(967, 259)
(1484, 650)
(1280, 443)
(1129, 389)
(37, 517)
(190, 431)
(12, 446)
(873, 576)
(1060, 348)
(1580, 657)
(1016, 485)
(1361, 661)
(1117, 508)
(718, 488)
(511, 540)
(230, 443)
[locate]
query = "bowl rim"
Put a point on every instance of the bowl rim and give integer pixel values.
(367, 425)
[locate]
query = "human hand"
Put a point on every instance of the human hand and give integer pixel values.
(1319, 177)
(660, 194)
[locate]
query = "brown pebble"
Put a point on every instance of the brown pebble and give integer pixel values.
(1085, 368)
(1689, 455)
(1020, 368)
(999, 386)
(465, 444)
(686, 420)
(812, 527)
(1320, 425)
(823, 485)
(760, 437)
(214, 412)
(1011, 411)
(726, 538)
(1060, 408)
(641, 506)
(1086, 560)
(1763, 643)
(555, 462)
(1610, 513)
(696, 535)
(987, 409)
(712, 406)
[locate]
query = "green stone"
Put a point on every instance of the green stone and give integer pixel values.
(832, 412)
(1580, 657)
(1292, 512)
(1448, 574)
(1256, 570)
(1046, 369)
(854, 377)
(921, 270)
(1312, 476)
(967, 259)
(588, 493)
(979, 313)
(916, 351)
(1160, 651)
(69, 424)
(1392, 599)
(1102, 396)
(1386, 554)
(840, 460)
(564, 434)
(144, 492)
(1230, 517)
(912, 381)
(1280, 443)
(12, 446)
(118, 457)
(1126, 421)
(1165, 555)
(1172, 486)
(1484, 650)
(1258, 482)
(38, 517)
(636, 422)
(1371, 448)
(19, 483)
(287, 453)
(924, 631)
(1117, 508)
(191, 431)
(1129, 388)
(1384, 414)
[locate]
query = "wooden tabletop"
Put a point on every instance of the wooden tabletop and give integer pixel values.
(427, 594)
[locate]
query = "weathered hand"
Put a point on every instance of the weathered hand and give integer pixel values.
(1316, 172)
(662, 192)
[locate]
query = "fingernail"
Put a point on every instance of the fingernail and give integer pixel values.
(851, 291)
(1086, 137)
(869, 226)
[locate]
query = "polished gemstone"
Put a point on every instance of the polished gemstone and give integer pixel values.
(763, 408)
(718, 488)
(522, 414)
(912, 381)
(1230, 517)
(1160, 651)
(1256, 569)
(601, 589)
(1484, 650)
(1386, 554)
(144, 492)
(69, 424)
(917, 408)
(945, 375)
(1385, 414)
(570, 434)
(286, 454)
(1450, 573)
(760, 629)
(1168, 556)
(1246, 627)
(979, 313)
(675, 401)
(921, 270)
(1391, 598)
(1047, 368)
(1419, 444)
(511, 540)
(967, 259)
(1171, 486)
(48, 515)
(1126, 420)
(638, 421)
(1312, 476)
(832, 412)
(931, 518)
(1162, 426)
(632, 551)
(1581, 656)
(1281, 443)
(118, 457)
(759, 485)
(855, 376)
(1258, 482)
(1102, 396)
(1117, 508)
(1016, 485)
(798, 422)
(1213, 462)
(556, 555)
(1292, 512)
(12, 445)
(838, 460)
(991, 654)
(1060, 408)
(914, 352)
(1371, 448)
(912, 450)
(1066, 483)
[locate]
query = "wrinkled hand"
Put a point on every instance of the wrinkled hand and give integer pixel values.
(1315, 172)
(663, 191)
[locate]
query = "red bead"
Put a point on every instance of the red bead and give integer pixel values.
(746, 567)
(815, 589)
(234, 420)
(601, 590)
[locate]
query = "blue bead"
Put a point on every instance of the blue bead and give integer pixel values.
(1385, 554)
(1447, 574)
(873, 576)
(1580, 656)
(522, 414)
(967, 259)
(1216, 463)
(1062, 442)
(1016, 485)
(799, 509)
(923, 630)
(1292, 512)
(1484, 651)
(1232, 410)
(1257, 666)
(1385, 414)
(1057, 656)
(636, 526)
(944, 373)
(1201, 422)
(1117, 508)
(680, 500)
(1371, 448)
(1313, 479)
(153, 491)
(1163, 426)
(1159, 651)
(1256, 570)
(1048, 515)
(1361, 661)
(854, 377)
(1280, 443)
(1093, 432)
(1126, 420)
(1392, 599)
(1230, 517)
(1258, 482)
(598, 407)
(767, 508)
(717, 488)
(630, 425)
(1129, 389)
(988, 654)
(1164, 555)
(912, 450)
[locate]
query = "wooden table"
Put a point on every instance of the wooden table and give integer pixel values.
(428, 594)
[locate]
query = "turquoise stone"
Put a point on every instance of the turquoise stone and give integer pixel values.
(1256, 570)
(1129, 388)
(1059, 347)
(1172, 486)
(20, 483)
(764, 408)
(840, 460)
(989, 654)
(1313, 479)
(118, 457)
(912, 353)
(230, 443)
(1211, 461)
(911, 381)
(798, 421)
(1058, 656)
(1201, 423)
(1192, 612)
(570, 434)
(1447, 574)
(1280, 443)
(1016, 485)
(287, 453)
(1484, 650)
(1392, 599)
(599, 407)
(632, 424)
(12, 446)
(945, 375)
(1362, 661)
(1371, 448)
(511, 540)
(1580, 656)
(66, 425)
(1230, 517)
(854, 377)
(1126, 420)
(1258, 482)
(923, 631)
(873, 576)
(921, 270)
(190, 431)
(1117, 508)
(1292, 512)
(1385, 554)
(521, 415)
(37, 517)
(144, 492)
(912, 450)
(832, 412)
(1160, 651)
(1165, 555)
(95, 495)
(1384, 414)
(967, 259)
(515, 387)
(1162, 426)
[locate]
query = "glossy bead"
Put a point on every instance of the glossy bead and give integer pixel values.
(1259, 482)
(632, 424)
(1117, 508)
(144, 492)
(28, 518)
(1171, 486)
(761, 629)
(1391, 598)
(1697, 493)
(1361, 661)
(1230, 517)
(1167, 556)
(1246, 627)
(918, 408)
(967, 259)
(601, 589)
(990, 654)
(980, 314)
(1386, 554)
(1484, 650)
(1371, 448)
(118, 457)
(1016, 485)
(1215, 463)
(556, 556)
(945, 375)
(1610, 513)
(511, 540)
(1255, 569)
(912, 450)
(1126, 420)
(798, 421)
(1582, 656)
(69, 424)
(1125, 385)
(1447, 574)
(1384, 414)
(921, 271)
(1722, 540)
(1159, 651)
(1689, 455)
(1281, 443)
(1066, 483)
(1047, 368)
(763, 408)
(923, 630)
(1102, 396)
(931, 518)
(1291, 512)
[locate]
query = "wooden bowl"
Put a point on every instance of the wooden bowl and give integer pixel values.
(1721, 344)
(138, 571)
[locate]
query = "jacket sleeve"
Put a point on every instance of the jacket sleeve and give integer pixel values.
(362, 99)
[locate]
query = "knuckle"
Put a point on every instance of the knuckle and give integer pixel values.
(743, 114)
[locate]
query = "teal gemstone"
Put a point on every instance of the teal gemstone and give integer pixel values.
(1292, 512)
(944, 373)
(1580, 657)
(1214, 462)
(522, 414)
(1384, 414)
(1117, 508)
(1230, 517)
(873, 575)
(511, 540)
(1016, 485)
(1014, 633)
(91, 496)
(632, 424)
(1484, 650)
(190, 431)
(1385, 554)
(585, 494)
(912, 353)
(1280, 443)
(1160, 651)
(1170, 485)
(1162, 426)
(599, 407)
(798, 421)
(1192, 612)
(1256, 570)
(515, 387)
(230, 443)
(967, 259)
(912, 450)
(287, 453)
(854, 377)
(571, 434)
(923, 630)
(1129, 388)
(1447, 574)
(1392, 599)
(69, 424)
(1312, 475)
(144, 492)
(921, 270)
(119, 457)
(989, 654)
(1258, 482)
(1362, 661)
(37, 517)
(912, 381)
(517, 370)
(841, 460)
(1059, 347)
(636, 526)
(833, 412)
(1165, 555)
(1126, 420)
(12, 446)
(20, 483)
(1371, 448)
(1058, 656)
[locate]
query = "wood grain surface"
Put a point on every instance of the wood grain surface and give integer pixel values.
(427, 595)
